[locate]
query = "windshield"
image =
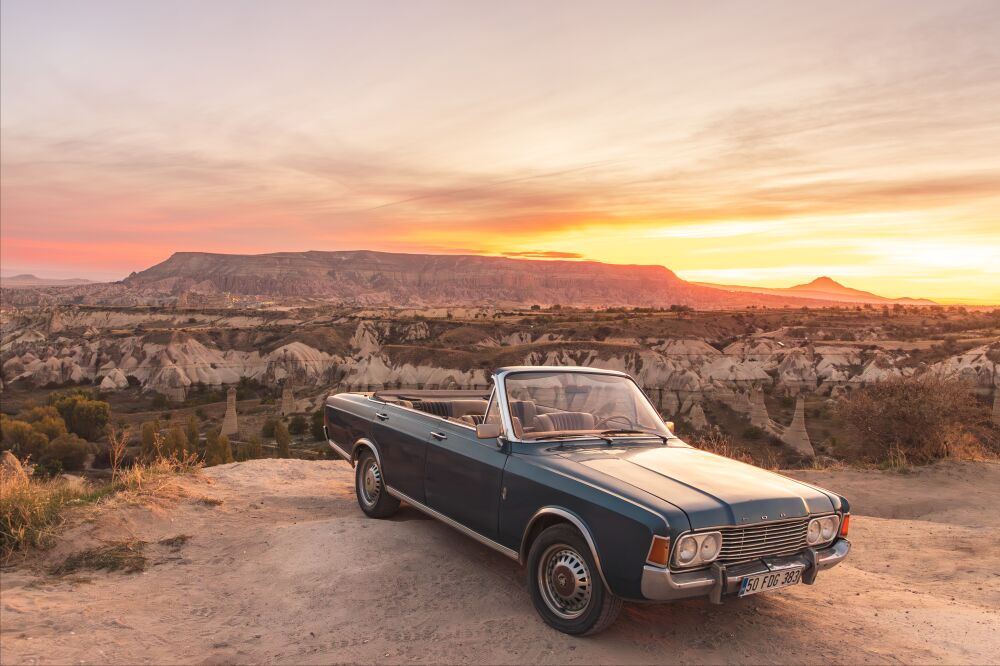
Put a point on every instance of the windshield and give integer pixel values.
(544, 405)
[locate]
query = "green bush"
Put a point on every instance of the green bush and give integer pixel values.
(69, 451)
(298, 425)
(83, 416)
(217, 449)
(753, 432)
(20, 438)
(316, 425)
(251, 449)
(282, 439)
(267, 430)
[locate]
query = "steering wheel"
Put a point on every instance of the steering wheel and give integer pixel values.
(604, 421)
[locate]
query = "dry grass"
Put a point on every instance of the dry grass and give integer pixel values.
(127, 556)
(715, 441)
(31, 508)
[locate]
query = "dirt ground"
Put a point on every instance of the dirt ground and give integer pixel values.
(287, 570)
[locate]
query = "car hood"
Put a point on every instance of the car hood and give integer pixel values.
(710, 489)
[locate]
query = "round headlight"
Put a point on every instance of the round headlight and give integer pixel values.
(687, 549)
(828, 526)
(815, 532)
(710, 546)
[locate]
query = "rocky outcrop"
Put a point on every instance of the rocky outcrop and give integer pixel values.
(230, 427)
(795, 435)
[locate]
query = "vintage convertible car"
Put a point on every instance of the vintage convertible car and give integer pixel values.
(572, 472)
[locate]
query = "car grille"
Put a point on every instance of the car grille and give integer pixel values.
(740, 544)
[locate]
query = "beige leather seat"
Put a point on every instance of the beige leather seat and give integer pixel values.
(555, 421)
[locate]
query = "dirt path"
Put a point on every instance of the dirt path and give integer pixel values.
(287, 570)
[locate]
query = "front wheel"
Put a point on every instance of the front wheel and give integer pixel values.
(369, 486)
(565, 585)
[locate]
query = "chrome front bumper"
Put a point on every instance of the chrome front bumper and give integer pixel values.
(720, 580)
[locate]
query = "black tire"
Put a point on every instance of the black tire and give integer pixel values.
(562, 575)
(369, 487)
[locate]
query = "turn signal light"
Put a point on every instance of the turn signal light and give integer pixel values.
(659, 551)
(845, 524)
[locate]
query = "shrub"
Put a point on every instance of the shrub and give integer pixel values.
(753, 432)
(912, 420)
(193, 432)
(316, 425)
(217, 449)
(267, 430)
(150, 441)
(20, 438)
(69, 451)
(83, 416)
(282, 439)
(251, 449)
(298, 425)
(45, 420)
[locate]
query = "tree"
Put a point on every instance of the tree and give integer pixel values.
(193, 431)
(176, 443)
(20, 438)
(282, 439)
(83, 416)
(149, 431)
(298, 425)
(45, 420)
(316, 425)
(217, 449)
(267, 430)
(252, 449)
(67, 452)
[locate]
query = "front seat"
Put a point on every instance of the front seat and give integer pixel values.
(555, 421)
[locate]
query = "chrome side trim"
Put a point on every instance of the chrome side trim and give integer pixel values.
(364, 441)
(500, 548)
(577, 522)
(340, 451)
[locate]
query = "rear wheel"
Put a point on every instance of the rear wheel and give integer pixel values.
(369, 486)
(566, 586)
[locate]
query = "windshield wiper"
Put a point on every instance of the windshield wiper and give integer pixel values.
(608, 435)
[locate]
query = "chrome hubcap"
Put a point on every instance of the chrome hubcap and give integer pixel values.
(371, 483)
(564, 580)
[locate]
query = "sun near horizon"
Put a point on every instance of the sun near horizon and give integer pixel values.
(760, 145)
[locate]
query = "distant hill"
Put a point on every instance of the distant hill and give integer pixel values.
(28, 280)
(822, 289)
(368, 277)
(363, 277)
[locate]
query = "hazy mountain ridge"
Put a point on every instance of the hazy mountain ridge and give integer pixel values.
(822, 289)
(365, 277)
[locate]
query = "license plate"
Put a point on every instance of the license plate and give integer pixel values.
(766, 582)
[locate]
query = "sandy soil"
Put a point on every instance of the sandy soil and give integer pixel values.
(287, 570)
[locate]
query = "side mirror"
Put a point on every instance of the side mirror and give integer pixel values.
(488, 430)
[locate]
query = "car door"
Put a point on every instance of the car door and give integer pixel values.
(401, 437)
(463, 476)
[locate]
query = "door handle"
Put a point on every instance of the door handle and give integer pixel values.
(439, 435)
(382, 416)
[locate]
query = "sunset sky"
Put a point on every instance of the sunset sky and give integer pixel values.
(749, 143)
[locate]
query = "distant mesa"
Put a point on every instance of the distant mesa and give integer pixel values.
(369, 278)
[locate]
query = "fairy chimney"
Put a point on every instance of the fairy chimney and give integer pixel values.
(229, 425)
(287, 400)
(758, 410)
(696, 417)
(795, 435)
(996, 407)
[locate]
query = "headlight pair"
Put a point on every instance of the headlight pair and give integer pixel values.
(694, 549)
(822, 530)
